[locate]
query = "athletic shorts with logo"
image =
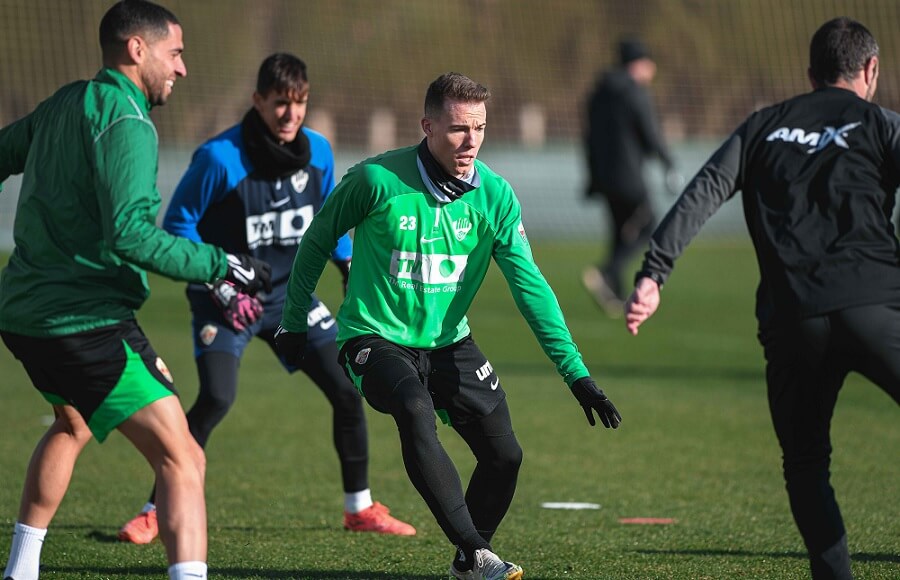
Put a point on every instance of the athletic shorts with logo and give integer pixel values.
(460, 379)
(107, 374)
(212, 333)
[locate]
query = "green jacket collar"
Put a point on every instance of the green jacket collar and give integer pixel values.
(113, 77)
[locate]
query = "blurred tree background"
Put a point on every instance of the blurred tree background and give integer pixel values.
(372, 59)
(370, 62)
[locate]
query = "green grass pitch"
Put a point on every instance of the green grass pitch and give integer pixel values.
(696, 445)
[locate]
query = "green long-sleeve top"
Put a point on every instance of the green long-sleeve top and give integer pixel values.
(85, 229)
(418, 262)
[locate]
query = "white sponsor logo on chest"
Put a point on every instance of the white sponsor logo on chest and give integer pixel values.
(428, 268)
(282, 227)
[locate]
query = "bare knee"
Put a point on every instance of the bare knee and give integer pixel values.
(71, 424)
(185, 456)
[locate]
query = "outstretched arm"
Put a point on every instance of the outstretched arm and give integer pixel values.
(714, 184)
(641, 305)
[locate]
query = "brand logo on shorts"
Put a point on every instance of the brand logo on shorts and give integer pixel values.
(163, 369)
(208, 334)
(362, 356)
(485, 371)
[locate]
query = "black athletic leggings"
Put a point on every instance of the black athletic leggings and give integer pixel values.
(807, 363)
(633, 221)
(218, 389)
(394, 387)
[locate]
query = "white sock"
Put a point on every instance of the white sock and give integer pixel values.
(25, 552)
(357, 501)
(148, 507)
(188, 571)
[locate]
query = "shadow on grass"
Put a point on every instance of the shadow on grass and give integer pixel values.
(151, 572)
(156, 572)
(857, 557)
(655, 371)
(102, 537)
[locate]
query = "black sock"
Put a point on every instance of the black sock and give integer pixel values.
(463, 561)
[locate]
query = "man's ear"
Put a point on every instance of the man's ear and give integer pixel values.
(136, 49)
(870, 70)
(426, 126)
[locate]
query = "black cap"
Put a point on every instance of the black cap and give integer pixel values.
(632, 49)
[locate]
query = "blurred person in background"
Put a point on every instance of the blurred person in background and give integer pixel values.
(428, 219)
(818, 175)
(85, 235)
(254, 189)
(622, 133)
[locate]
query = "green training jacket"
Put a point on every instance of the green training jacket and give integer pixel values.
(418, 262)
(85, 229)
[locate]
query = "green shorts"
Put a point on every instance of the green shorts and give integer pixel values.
(107, 374)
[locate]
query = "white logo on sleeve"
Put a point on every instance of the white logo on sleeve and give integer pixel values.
(321, 316)
(521, 230)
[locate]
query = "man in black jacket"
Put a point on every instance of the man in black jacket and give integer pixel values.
(623, 132)
(818, 173)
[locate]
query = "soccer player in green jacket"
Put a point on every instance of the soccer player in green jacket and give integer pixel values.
(85, 234)
(428, 219)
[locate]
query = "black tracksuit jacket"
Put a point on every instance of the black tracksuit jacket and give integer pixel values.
(818, 173)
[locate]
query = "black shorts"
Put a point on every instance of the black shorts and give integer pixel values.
(107, 374)
(460, 379)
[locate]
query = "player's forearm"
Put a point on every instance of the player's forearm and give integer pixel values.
(155, 250)
(312, 255)
(540, 308)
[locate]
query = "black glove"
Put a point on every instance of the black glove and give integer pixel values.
(249, 274)
(239, 309)
(290, 345)
(593, 399)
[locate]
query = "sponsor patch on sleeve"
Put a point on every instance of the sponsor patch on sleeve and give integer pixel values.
(521, 229)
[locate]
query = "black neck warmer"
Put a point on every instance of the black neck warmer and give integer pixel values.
(452, 187)
(271, 159)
